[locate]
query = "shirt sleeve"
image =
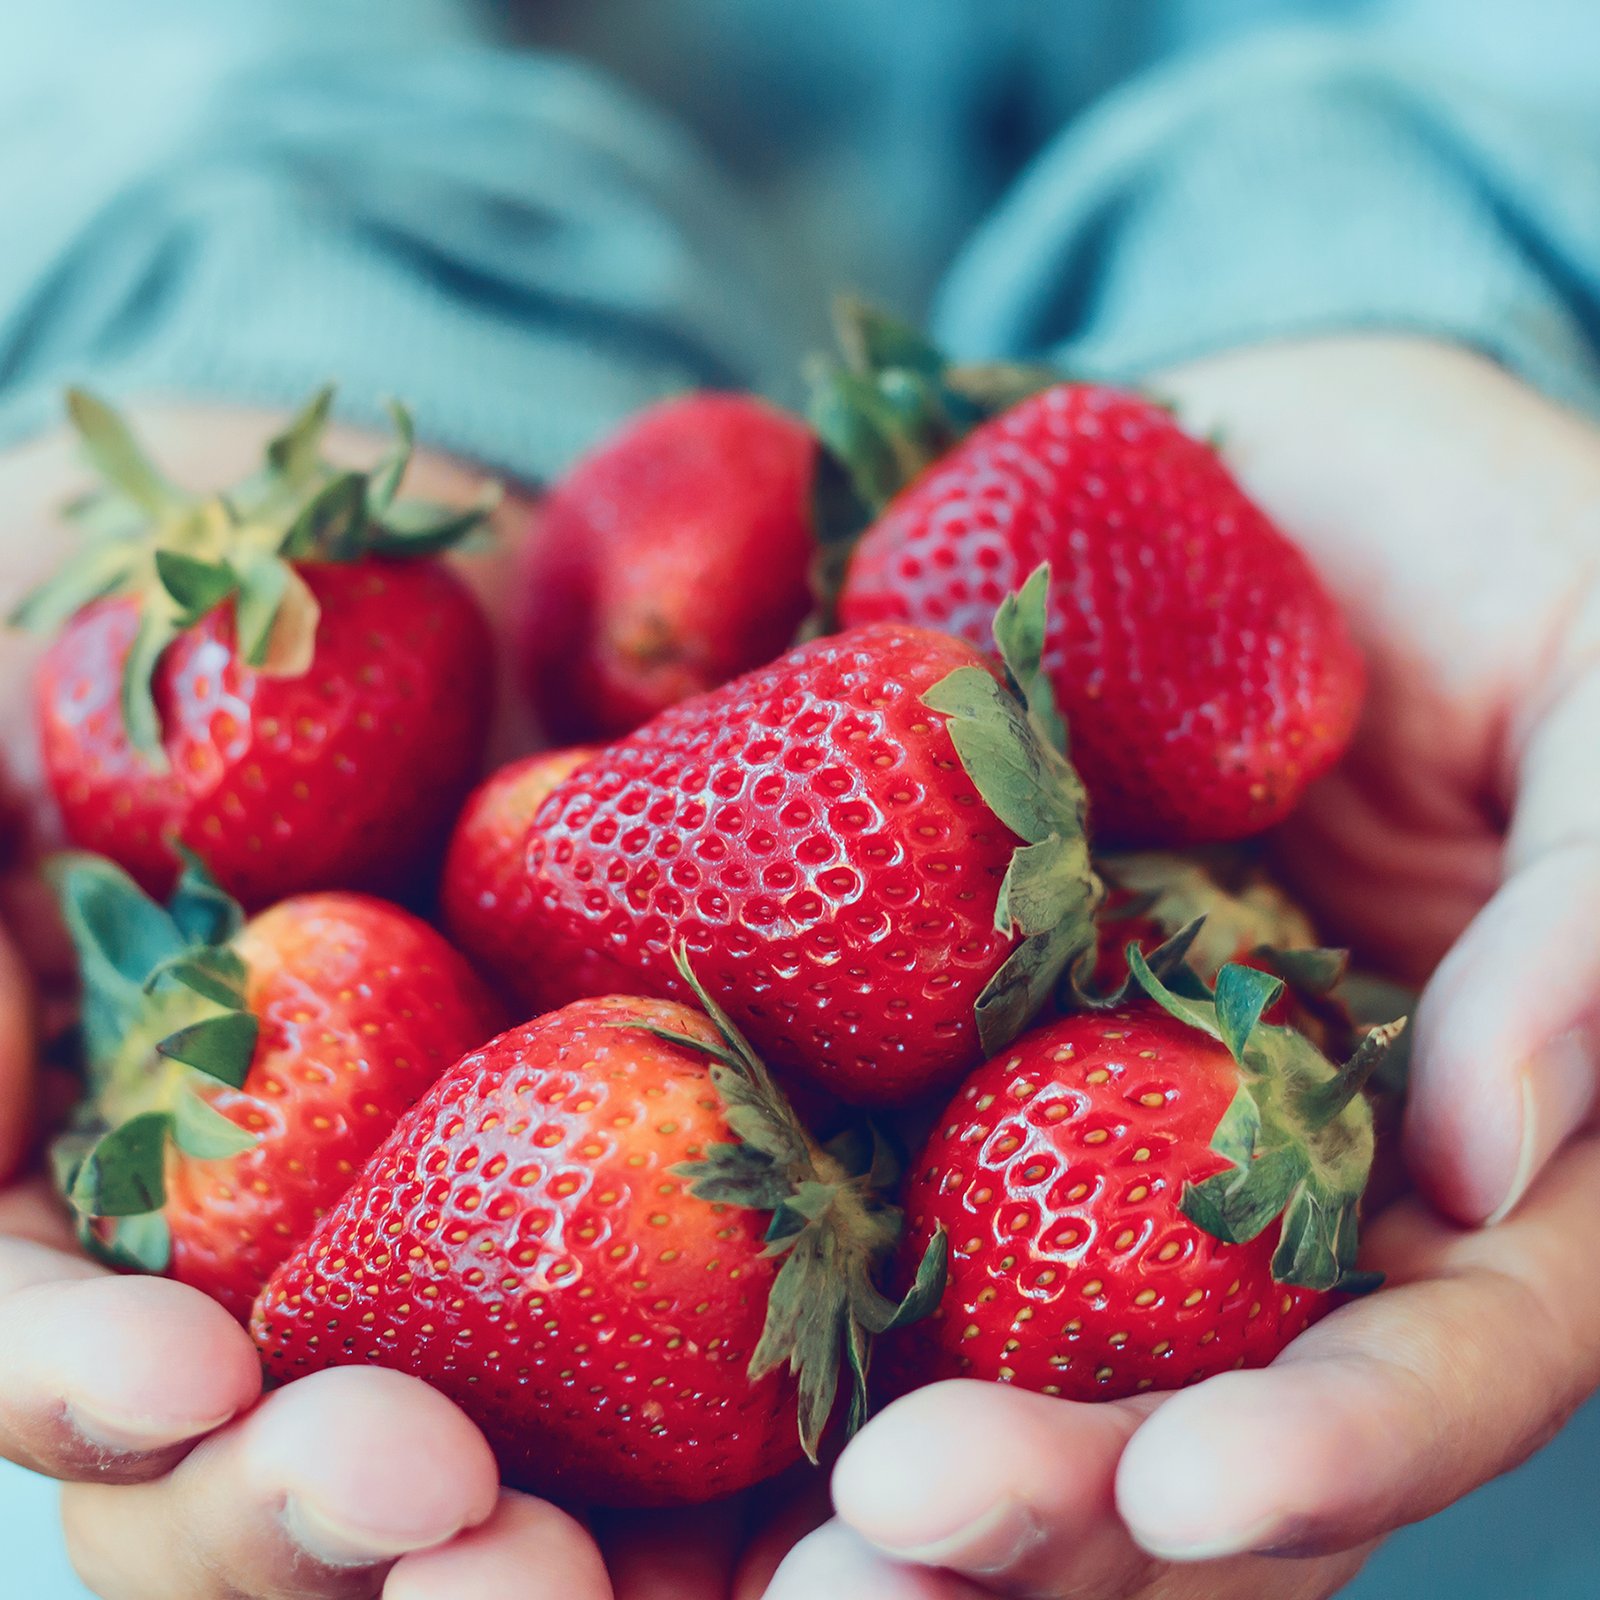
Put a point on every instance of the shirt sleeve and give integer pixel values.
(225, 198)
(1308, 183)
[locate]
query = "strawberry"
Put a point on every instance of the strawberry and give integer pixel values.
(1110, 1187)
(282, 678)
(241, 1073)
(1206, 673)
(606, 1236)
(873, 849)
(485, 886)
(673, 558)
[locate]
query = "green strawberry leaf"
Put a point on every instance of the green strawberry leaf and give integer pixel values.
(331, 524)
(1010, 739)
(1298, 1135)
(1019, 634)
(1242, 995)
(871, 341)
(164, 1011)
(295, 454)
(214, 975)
(119, 936)
(418, 527)
(203, 912)
(384, 482)
(116, 455)
(124, 1174)
(201, 1131)
(222, 1047)
(1199, 1014)
(134, 1244)
(101, 571)
(196, 587)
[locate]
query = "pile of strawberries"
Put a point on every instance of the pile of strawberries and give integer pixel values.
(763, 888)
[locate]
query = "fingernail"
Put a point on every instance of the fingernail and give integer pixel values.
(126, 1434)
(1558, 1089)
(335, 1543)
(999, 1540)
(1215, 1546)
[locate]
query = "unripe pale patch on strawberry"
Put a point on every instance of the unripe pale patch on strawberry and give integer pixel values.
(280, 677)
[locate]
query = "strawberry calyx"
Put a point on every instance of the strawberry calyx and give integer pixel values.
(181, 555)
(1238, 914)
(163, 1015)
(885, 409)
(1012, 742)
(1297, 1136)
(830, 1223)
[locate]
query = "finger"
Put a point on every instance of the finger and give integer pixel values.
(30, 1212)
(17, 1051)
(837, 1564)
(1508, 1040)
(112, 1379)
(781, 1515)
(314, 1495)
(673, 1555)
(1396, 1405)
(527, 1550)
(1011, 1489)
(1257, 1578)
(1508, 1036)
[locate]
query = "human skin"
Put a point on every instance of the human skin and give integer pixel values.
(1458, 516)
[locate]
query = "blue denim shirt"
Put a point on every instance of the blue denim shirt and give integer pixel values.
(528, 219)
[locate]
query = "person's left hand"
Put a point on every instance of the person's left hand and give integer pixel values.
(1455, 513)
(1383, 1413)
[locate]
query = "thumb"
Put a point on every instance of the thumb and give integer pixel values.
(1507, 1053)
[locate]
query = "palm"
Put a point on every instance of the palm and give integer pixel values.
(1454, 513)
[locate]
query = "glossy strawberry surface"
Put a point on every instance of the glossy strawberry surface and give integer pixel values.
(809, 832)
(1056, 1172)
(361, 1007)
(484, 891)
(345, 777)
(672, 558)
(523, 1243)
(1206, 674)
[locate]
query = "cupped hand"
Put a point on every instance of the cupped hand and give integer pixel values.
(1457, 514)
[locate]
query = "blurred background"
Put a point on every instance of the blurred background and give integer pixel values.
(530, 218)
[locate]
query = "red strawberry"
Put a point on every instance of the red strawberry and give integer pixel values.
(282, 678)
(485, 887)
(563, 1239)
(674, 557)
(1109, 1186)
(1207, 675)
(872, 849)
(241, 1074)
